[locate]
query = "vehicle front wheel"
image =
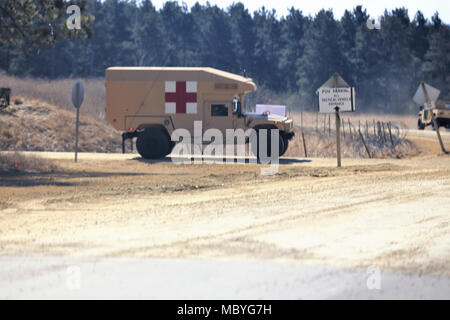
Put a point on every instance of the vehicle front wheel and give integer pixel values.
(420, 125)
(285, 146)
(281, 146)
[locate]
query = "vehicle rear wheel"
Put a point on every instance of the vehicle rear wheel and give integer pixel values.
(152, 143)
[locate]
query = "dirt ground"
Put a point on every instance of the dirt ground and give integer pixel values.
(393, 214)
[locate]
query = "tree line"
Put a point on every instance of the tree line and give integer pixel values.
(288, 57)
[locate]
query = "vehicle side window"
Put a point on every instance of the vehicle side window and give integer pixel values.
(219, 110)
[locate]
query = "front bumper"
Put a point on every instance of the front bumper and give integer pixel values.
(289, 135)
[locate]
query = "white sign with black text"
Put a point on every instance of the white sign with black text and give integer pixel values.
(330, 98)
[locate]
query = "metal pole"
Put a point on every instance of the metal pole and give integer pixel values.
(338, 128)
(433, 118)
(338, 137)
(76, 134)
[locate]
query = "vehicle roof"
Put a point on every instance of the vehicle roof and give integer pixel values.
(173, 74)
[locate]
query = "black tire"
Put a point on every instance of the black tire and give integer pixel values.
(281, 145)
(420, 125)
(171, 146)
(152, 143)
(285, 145)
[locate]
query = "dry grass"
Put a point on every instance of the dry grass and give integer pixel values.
(317, 120)
(320, 136)
(58, 93)
(37, 126)
(15, 162)
(322, 145)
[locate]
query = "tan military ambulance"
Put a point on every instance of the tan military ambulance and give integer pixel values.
(151, 102)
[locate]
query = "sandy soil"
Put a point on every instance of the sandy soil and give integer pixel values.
(393, 214)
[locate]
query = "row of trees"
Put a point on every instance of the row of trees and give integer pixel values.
(288, 57)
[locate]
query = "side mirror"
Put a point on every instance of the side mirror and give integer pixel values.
(236, 106)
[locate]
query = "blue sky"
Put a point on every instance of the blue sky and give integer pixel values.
(374, 7)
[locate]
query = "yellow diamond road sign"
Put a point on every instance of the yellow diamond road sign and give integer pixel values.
(426, 96)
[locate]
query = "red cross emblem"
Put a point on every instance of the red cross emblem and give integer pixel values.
(181, 97)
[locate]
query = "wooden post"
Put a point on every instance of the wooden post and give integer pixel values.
(384, 131)
(301, 120)
(343, 127)
(350, 128)
(390, 132)
(317, 122)
(304, 145)
(367, 129)
(329, 125)
(338, 137)
(433, 118)
(374, 130)
(324, 123)
(379, 130)
(364, 143)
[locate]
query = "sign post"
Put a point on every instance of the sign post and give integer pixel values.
(336, 95)
(338, 137)
(77, 100)
(426, 95)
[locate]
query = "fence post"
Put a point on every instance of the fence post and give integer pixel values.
(350, 129)
(301, 120)
(329, 124)
(379, 134)
(304, 145)
(343, 126)
(390, 132)
(364, 143)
